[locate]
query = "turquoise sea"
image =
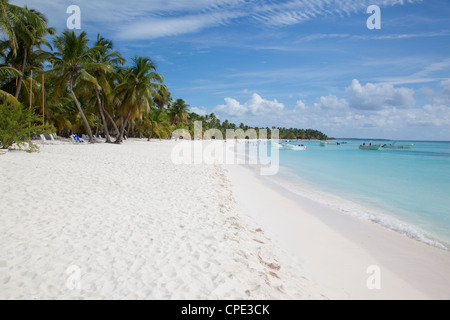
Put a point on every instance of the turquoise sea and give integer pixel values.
(407, 191)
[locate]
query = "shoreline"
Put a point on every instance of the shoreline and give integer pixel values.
(319, 235)
(374, 215)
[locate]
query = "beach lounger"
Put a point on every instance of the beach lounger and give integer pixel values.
(97, 139)
(50, 137)
(77, 139)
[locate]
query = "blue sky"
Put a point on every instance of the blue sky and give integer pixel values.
(298, 63)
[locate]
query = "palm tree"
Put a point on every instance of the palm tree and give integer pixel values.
(157, 123)
(163, 97)
(179, 112)
(36, 30)
(136, 91)
(15, 22)
(70, 63)
(107, 58)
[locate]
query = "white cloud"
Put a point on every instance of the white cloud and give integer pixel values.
(162, 27)
(429, 116)
(297, 11)
(300, 106)
(200, 111)
(431, 73)
(136, 19)
(442, 97)
(253, 108)
(331, 102)
(336, 117)
(379, 96)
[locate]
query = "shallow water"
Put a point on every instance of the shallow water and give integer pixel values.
(404, 190)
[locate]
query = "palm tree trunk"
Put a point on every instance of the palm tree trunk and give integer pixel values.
(19, 84)
(77, 103)
(122, 128)
(105, 124)
(111, 120)
(127, 128)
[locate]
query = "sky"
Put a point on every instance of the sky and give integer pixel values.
(295, 63)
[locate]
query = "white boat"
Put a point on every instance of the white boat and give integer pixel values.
(293, 147)
(276, 145)
(397, 146)
(329, 143)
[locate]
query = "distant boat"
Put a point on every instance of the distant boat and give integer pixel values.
(397, 146)
(329, 143)
(293, 147)
(369, 147)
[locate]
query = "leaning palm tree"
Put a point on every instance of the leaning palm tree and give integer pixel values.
(138, 86)
(179, 112)
(70, 63)
(107, 59)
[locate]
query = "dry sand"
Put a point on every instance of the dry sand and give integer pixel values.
(123, 222)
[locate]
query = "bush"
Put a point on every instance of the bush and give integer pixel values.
(14, 126)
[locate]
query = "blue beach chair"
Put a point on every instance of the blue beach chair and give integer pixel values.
(77, 139)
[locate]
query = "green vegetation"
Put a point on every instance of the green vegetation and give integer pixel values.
(17, 124)
(87, 89)
(211, 122)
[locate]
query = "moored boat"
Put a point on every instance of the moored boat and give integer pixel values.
(293, 147)
(397, 146)
(276, 145)
(369, 147)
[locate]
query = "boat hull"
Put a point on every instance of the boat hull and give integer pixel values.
(403, 147)
(291, 147)
(374, 147)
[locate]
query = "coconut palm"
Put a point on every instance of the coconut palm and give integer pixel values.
(136, 91)
(70, 64)
(157, 123)
(32, 39)
(108, 58)
(179, 112)
(163, 97)
(15, 22)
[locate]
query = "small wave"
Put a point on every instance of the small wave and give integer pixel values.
(360, 212)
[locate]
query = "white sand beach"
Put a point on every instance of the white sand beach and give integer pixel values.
(123, 222)
(129, 224)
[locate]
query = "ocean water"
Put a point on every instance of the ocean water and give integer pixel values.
(407, 191)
